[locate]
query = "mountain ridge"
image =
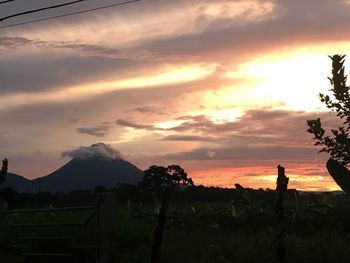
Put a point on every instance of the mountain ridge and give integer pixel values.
(79, 173)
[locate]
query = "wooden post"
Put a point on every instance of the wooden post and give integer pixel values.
(281, 189)
(159, 231)
(2, 220)
(106, 219)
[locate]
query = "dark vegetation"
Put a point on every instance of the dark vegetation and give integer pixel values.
(208, 224)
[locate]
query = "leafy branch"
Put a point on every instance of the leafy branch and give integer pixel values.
(338, 143)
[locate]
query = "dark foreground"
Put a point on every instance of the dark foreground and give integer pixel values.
(203, 225)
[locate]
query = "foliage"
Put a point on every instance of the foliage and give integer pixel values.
(337, 144)
(159, 179)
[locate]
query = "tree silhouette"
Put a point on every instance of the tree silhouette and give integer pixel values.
(161, 180)
(3, 172)
(338, 143)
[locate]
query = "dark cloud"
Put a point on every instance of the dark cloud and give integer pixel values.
(200, 124)
(55, 68)
(148, 109)
(292, 23)
(131, 124)
(261, 123)
(281, 127)
(188, 138)
(203, 124)
(261, 126)
(52, 115)
(14, 42)
(38, 153)
(81, 48)
(262, 134)
(74, 119)
(89, 49)
(94, 50)
(97, 131)
(51, 71)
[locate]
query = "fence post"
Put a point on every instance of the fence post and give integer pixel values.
(107, 217)
(281, 189)
(1, 228)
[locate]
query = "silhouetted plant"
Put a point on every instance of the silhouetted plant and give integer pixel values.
(161, 180)
(337, 145)
(3, 172)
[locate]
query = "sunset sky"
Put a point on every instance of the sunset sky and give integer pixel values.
(222, 88)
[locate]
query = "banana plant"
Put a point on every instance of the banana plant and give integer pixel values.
(340, 174)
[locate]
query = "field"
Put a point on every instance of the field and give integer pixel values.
(207, 225)
(317, 228)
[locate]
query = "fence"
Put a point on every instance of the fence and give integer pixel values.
(72, 234)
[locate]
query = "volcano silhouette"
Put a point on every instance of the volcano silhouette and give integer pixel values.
(18, 183)
(88, 173)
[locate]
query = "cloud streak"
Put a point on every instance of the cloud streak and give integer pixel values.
(99, 131)
(85, 91)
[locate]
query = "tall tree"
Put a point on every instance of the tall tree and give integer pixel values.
(161, 180)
